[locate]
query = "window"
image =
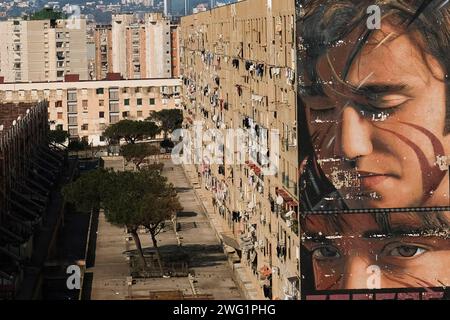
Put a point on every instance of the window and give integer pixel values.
(59, 74)
(114, 94)
(72, 107)
(101, 114)
(58, 104)
(73, 131)
(85, 105)
(125, 114)
(101, 103)
(124, 90)
(72, 121)
(152, 101)
(60, 115)
(139, 101)
(126, 102)
(137, 89)
(84, 127)
(99, 91)
(113, 118)
(114, 106)
(139, 113)
(72, 95)
(102, 138)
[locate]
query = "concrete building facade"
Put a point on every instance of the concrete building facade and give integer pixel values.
(29, 169)
(238, 67)
(141, 48)
(86, 108)
(42, 50)
(103, 51)
(175, 50)
(158, 43)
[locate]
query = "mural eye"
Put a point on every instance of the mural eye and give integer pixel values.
(392, 101)
(326, 253)
(406, 251)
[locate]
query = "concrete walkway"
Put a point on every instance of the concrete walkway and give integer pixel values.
(242, 275)
(207, 261)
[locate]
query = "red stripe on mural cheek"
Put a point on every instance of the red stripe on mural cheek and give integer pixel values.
(430, 183)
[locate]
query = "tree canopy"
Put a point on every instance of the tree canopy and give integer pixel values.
(137, 152)
(169, 120)
(131, 131)
(47, 14)
(58, 136)
(78, 145)
(130, 199)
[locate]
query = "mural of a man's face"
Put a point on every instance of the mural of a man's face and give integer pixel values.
(354, 253)
(379, 129)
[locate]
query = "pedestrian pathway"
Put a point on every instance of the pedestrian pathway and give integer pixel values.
(210, 272)
(242, 275)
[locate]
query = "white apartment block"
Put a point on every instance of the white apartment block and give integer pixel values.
(158, 44)
(86, 108)
(141, 49)
(42, 50)
(119, 52)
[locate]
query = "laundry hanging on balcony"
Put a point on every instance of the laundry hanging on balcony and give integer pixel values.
(273, 72)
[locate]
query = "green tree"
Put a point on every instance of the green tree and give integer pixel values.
(86, 192)
(131, 131)
(163, 204)
(58, 136)
(125, 197)
(78, 145)
(168, 120)
(48, 14)
(137, 152)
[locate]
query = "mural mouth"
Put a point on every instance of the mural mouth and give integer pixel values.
(371, 179)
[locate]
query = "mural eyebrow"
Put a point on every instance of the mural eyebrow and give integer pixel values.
(379, 89)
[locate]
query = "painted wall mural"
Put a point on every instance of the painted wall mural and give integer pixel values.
(374, 119)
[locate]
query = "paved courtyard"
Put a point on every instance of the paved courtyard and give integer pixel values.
(207, 262)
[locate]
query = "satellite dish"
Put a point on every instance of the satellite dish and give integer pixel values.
(280, 200)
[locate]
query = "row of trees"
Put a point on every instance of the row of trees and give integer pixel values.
(165, 121)
(129, 199)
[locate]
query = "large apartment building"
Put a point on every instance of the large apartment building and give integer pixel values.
(238, 67)
(86, 108)
(29, 170)
(42, 50)
(141, 48)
